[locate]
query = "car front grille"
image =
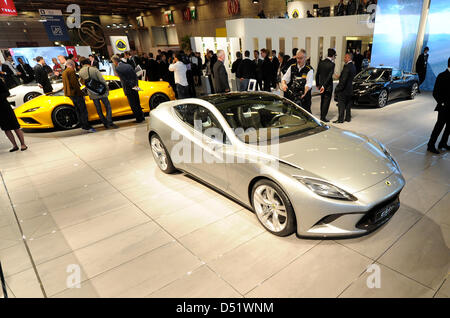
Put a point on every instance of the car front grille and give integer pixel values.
(379, 214)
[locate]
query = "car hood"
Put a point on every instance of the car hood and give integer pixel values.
(43, 101)
(347, 159)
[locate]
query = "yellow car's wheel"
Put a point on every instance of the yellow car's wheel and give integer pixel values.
(65, 117)
(157, 99)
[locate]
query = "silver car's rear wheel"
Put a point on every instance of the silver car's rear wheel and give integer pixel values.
(30, 96)
(273, 208)
(161, 155)
(382, 98)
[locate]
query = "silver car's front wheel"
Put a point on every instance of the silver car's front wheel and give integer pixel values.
(382, 98)
(414, 90)
(161, 155)
(273, 208)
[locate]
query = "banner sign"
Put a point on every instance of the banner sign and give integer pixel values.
(54, 25)
(7, 7)
(168, 17)
(119, 44)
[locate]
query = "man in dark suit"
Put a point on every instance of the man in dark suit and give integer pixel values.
(152, 69)
(441, 94)
(275, 66)
(267, 70)
(41, 75)
(258, 70)
(358, 59)
(7, 74)
(340, 10)
(351, 7)
(94, 61)
(235, 65)
(246, 71)
(26, 72)
(130, 84)
(324, 82)
(220, 74)
(421, 65)
(344, 89)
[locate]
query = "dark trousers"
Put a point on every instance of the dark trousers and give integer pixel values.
(422, 76)
(259, 85)
(267, 83)
(183, 91)
(80, 108)
(442, 120)
(107, 121)
(325, 99)
(345, 105)
(135, 104)
(191, 83)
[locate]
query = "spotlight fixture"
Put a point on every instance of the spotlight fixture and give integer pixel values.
(255, 1)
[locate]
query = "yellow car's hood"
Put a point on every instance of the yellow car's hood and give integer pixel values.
(43, 102)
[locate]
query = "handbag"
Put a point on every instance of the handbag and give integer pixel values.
(95, 86)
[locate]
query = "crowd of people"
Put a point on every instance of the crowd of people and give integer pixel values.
(353, 7)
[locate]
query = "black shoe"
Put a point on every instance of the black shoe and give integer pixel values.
(338, 122)
(349, 120)
(23, 149)
(433, 150)
(446, 147)
(139, 120)
(14, 149)
(114, 126)
(325, 120)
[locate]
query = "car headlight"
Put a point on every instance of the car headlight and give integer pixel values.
(325, 189)
(31, 110)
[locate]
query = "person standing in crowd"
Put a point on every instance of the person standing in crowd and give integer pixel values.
(73, 91)
(153, 69)
(284, 65)
(130, 85)
(90, 72)
(309, 15)
(93, 61)
(129, 60)
(267, 70)
(179, 70)
(62, 61)
(195, 64)
(26, 71)
(292, 60)
(235, 65)
(221, 84)
(441, 94)
(351, 7)
(41, 75)
(145, 65)
(16, 74)
(57, 68)
(246, 71)
(7, 74)
(258, 70)
(298, 81)
(163, 68)
(8, 120)
(209, 65)
(189, 73)
(344, 90)
(275, 67)
(358, 59)
(421, 65)
(340, 10)
(366, 61)
(324, 82)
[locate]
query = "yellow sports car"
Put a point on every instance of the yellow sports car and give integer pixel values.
(57, 111)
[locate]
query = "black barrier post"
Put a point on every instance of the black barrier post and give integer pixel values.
(2, 279)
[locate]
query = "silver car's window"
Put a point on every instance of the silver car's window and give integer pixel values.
(257, 118)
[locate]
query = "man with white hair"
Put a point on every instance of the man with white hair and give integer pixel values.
(73, 91)
(221, 84)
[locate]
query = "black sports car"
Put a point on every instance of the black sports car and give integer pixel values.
(378, 85)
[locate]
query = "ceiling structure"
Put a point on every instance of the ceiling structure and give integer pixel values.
(119, 7)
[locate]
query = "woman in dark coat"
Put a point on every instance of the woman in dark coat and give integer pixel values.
(8, 120)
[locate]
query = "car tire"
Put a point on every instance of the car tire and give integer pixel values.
(382, 98)
(267, 205)
(31, 95)
(414, 90)
(161, 155)
(157, 99)
(65, 117)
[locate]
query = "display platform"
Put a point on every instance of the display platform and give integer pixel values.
(95, 210)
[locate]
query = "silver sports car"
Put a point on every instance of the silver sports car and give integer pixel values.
(295, 172)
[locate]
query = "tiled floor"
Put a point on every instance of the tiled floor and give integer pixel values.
(99, 201)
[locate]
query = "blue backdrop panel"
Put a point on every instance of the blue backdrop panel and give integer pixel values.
(396, 27)
(28, 54)
(437, 38)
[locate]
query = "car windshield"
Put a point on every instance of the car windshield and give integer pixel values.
(374, 74)
(257, 118)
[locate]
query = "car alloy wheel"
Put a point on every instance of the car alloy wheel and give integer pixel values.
(273, 208)
(161, 155)
(382, 99)
(157, 99)
(65, 117)
(30, 96)
(414, 90)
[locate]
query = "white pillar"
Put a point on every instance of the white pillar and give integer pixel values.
(288, 46)
(340, 53)
(314, 51)
(326, 45)
(276, 44)
(301, 42)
